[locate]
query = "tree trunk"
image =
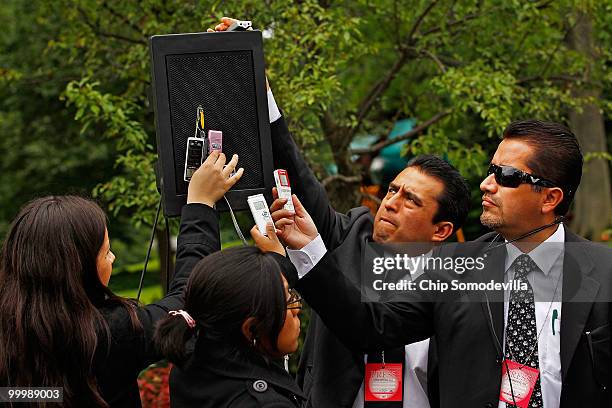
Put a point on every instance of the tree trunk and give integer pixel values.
(166, 253)
(593, 201)
(342, 190)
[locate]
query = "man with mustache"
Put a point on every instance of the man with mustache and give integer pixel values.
(544, 344)
(425, 203)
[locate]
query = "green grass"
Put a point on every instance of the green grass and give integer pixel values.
(126, 283)
(235, 243)
(149, 294)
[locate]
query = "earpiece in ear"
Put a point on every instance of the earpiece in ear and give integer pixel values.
(253, 335)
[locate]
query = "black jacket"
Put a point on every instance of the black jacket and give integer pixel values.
(131, 349)
(469, 363)
(218, 375)
(329, 372)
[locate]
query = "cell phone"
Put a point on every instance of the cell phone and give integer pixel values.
(193, 156)
(281, 178)
(215, 141)
(240, 26)
(259, 209)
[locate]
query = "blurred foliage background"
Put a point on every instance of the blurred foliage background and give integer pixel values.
(76, 117)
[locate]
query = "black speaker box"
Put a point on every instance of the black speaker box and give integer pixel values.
(223, 72)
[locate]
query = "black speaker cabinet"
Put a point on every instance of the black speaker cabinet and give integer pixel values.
(223, 72)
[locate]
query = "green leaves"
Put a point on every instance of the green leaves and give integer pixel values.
(111, 112)
(133, 187)
(477, 88)
(337, 69)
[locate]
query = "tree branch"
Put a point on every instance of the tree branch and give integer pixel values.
(121, 37)
(544, 4)
(396, 26)
(465, 19)
(121, 17)
(346, 179)
(563, 78)
(381, 86)
(101, 33)
(438, 59)
(36, 80)
(418, 129)
(419, 21)
(435, 59)
(406, 52)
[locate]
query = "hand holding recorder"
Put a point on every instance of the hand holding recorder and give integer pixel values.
(268, 242)
(296, 228)
(213, 179)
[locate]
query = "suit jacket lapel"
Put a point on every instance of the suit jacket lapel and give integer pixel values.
(582, 288)
(495, 271)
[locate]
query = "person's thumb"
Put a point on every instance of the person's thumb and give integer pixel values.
(256, 234)
(271, 232)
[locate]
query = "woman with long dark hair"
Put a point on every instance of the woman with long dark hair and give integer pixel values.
(60, 325)
(228, 341)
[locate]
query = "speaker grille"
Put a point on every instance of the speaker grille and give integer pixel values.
(224, 84)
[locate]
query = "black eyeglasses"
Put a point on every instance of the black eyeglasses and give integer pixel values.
(508, 176)
(294, 301)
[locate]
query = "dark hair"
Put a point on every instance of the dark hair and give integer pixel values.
(454, 201)
(49, 294)
(226, 288)
(556, 155)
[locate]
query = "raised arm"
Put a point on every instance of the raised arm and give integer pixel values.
(363, 326)
(132, 347)
(304, 184)
(198, 237)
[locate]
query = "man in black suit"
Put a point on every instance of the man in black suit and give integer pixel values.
(427, 202)
(561, 332)
(429, 208)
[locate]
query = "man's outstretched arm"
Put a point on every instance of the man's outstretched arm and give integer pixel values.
(364, 326)
(323, 284)
(304, 184)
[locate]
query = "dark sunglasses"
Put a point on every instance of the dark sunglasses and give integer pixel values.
(508, 176)
(294, 301)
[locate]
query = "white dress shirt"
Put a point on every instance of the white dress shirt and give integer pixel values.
(273, 111)
(548, 256)
(416, 354)
(306, 258)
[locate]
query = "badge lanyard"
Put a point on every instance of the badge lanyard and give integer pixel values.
(497, 343)
(541, 328)
(383, 382)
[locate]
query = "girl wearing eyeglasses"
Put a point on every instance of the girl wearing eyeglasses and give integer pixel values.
(229, 340)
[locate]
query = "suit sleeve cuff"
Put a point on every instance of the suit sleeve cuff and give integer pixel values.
(199, 224)
(306, 258)
(273, 111)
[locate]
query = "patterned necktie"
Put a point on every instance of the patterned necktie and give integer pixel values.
(521, 331)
